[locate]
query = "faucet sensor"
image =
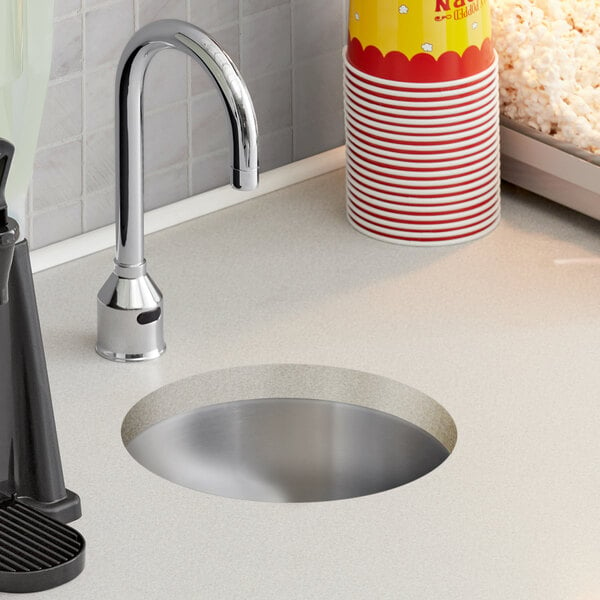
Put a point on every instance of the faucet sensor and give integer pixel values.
(130, 305)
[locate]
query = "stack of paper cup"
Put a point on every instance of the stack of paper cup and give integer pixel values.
(422, 131)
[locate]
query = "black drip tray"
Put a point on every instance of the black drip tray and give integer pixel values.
(36, 553)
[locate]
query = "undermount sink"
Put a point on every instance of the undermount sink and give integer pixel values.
(289, 433)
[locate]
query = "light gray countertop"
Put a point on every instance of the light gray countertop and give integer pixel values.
(504, 332)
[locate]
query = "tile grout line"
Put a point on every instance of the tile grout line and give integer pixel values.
(63, 141)
(240, 17)
(188, 74)
(64, 78)
(70, 15)
(136, 14)
(189, 208)
(293, 80)
(84, 132)
(155, 172)
(99, 5)
(78, 136)
(57, 206)
(87, 76)
(29, 213)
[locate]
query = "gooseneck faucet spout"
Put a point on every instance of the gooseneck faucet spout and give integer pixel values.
(130, 318)
(136, 57)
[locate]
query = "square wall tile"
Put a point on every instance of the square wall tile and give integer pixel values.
(65, 7)
(210, 126)
(166, 80)
(100, 97)
(213, 14)
(210, 172)
(318, 87)
(272, 98)
(107, 31)
(62, 117)
(55, 225)
(57, 176)
(89, 4)
(166, 138)
(266, 42)
(100, 160)
(315, 30)
(324, 132)
(67, 47)
(250, 7)
(165, 187)
(153, 10)
(276, 149)
(99, 209)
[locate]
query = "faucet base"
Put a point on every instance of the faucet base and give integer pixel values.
(130, 319)
(118, 357)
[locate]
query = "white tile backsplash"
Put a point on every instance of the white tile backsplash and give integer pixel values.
(57, 224)
(99, 208)
(57, 176)
(164, 187)
(107, 30)
(100, 160)
(88, 4)
(165, 137)
(153, 10)
(272, 96)
(324, 130)
(318, 87)
(166, 80)
(210, 127)
(289, 52)
(250, 7)
(67, 54)
(214, 14)
(65, 7)
(100, 97)
(316, 31)
(266, 43)
(62, 112)
(276, 149)
(210, 171)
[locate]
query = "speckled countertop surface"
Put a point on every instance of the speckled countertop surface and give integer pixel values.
(504, 332)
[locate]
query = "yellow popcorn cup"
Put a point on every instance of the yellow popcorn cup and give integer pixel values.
(423, 41)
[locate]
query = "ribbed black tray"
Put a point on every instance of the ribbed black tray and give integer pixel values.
(36, 553)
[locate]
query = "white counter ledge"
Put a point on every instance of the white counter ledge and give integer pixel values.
(504, 332)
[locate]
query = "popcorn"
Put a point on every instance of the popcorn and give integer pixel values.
(549, 60)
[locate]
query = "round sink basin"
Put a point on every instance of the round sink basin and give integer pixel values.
(289, 433)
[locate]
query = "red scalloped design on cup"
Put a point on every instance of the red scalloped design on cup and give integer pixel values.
(421, 68)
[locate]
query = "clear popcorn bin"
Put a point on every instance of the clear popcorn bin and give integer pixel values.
(549, 65)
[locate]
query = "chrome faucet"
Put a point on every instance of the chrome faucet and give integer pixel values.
(130, 306)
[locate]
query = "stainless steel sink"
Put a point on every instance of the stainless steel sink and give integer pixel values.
(287, 448)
